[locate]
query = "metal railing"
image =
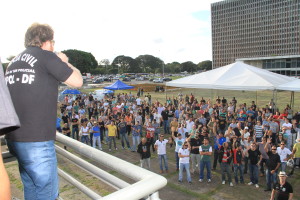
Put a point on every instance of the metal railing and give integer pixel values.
(146, 186)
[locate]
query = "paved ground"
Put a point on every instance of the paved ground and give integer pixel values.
(173, 190)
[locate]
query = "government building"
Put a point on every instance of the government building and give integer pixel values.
(262, 33)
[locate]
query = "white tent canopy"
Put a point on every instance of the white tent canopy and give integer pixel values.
(290, 86)
(236, 76)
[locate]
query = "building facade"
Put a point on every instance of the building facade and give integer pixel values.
(264, 33)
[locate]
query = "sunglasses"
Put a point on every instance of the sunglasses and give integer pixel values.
(274, 149)
(281, 144)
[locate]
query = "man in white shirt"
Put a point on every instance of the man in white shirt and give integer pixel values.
(161, 147)
(184, 162)
(189, 124)
(157, 116)
(287, 126)
(284, 154)
(138, 101)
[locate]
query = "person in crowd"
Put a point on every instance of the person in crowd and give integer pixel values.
(150, 134)
(96, 135)
(112, 133)
(219, 139)
(145, 154)
(136, 130)
(178, 144)
(161, 147)
(255, 158)
(33, 143)
(265, 157)
(124, 137)
(258, 132)
(284, 154)
(273, 165)
(238, 166)
(282, 190)
(296, 155)
(75, 127)
(195, 143)
(184, 162)
(85, 132)
(205, 151)
(225, 157)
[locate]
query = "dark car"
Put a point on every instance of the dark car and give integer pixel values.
(167, 79)
(126, 79)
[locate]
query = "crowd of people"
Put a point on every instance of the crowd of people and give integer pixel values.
(242, 139)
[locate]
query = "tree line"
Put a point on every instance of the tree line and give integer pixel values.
(87, 63)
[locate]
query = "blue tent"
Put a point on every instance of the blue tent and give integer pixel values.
(118, 85)
(71, 91)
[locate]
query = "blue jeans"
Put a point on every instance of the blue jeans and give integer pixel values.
(85, 139)
(38, 168)
(135, 142)
(185, 166)
(225, 167)
(238, 168)
(75, 131)
(204, 164)
(165, 158)
(283, 166)
(271, 178)
(124, 136)
(166, 127)
(253, 170)
(97, 139)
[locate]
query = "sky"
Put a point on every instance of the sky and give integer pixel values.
(172, 30)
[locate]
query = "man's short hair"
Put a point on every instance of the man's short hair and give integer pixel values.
(37, 34)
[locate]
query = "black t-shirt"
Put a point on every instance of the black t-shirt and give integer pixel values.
(75, 120)
(282, 192)
(195, 142)
(254, 156)
(274, 159)
(65, 118)
(32, 78)
(66, 129)
(144, 150)
(165, 114)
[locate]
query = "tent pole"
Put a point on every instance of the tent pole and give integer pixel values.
(256, 99)
(166, 92)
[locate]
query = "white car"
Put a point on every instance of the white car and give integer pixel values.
(158, 80)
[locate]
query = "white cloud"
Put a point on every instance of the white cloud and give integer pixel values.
(163, 28)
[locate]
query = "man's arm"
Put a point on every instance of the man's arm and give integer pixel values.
(75, 79)
(5, 193)
(272, 195)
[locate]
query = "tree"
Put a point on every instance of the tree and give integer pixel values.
(205, 65)
(149, 63)
(188, 66)
(125, 64)
(172, 68)
(84, 61)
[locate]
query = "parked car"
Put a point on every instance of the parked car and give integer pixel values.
(151, 79)
(140, 78)
(158, 80)
(98, 80)
(167, 79)
(126, 79)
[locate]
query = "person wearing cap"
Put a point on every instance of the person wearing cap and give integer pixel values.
(282, 190)
(96, 135)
